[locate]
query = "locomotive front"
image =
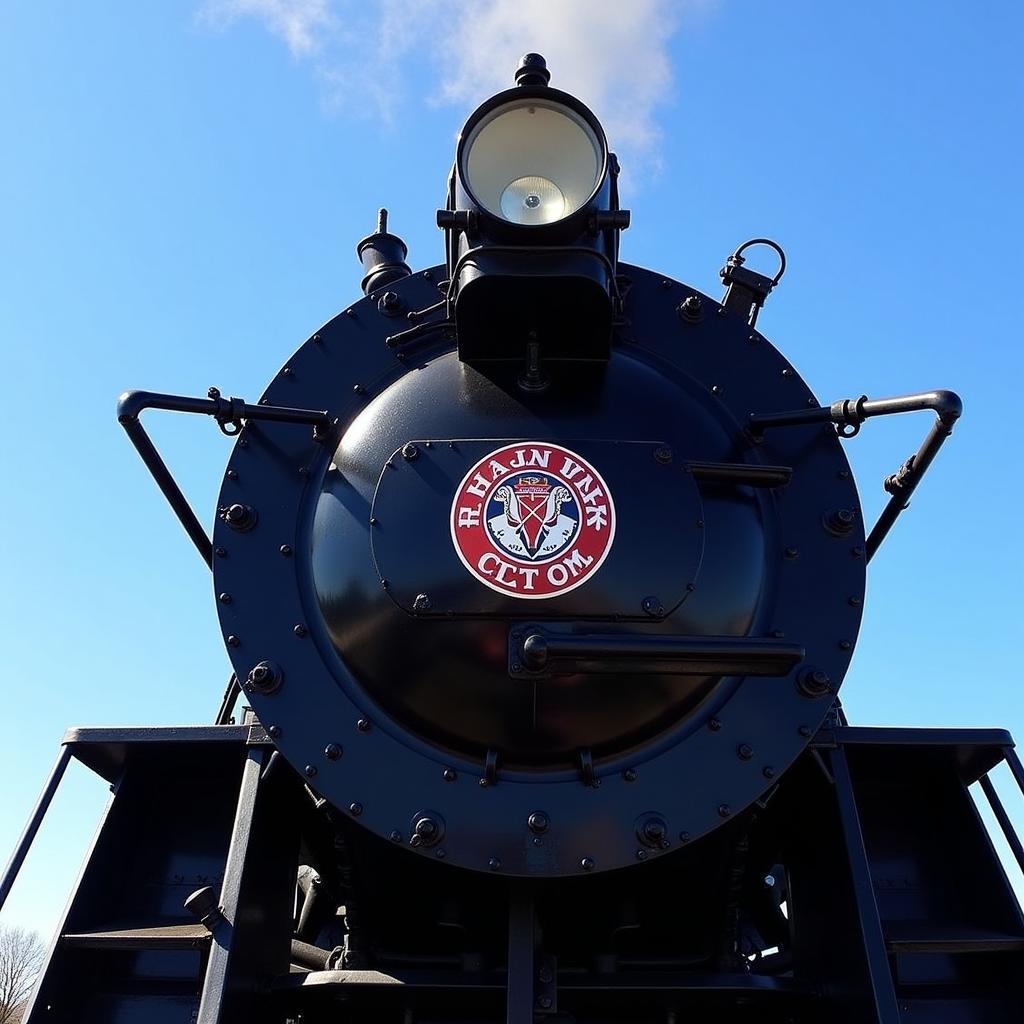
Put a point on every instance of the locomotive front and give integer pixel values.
(538, 597)
(535, 565)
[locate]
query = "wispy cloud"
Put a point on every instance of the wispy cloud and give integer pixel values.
(613, 55)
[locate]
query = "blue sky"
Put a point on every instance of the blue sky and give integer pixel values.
(181, 189)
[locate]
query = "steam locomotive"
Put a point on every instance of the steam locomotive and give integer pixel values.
(540, 574)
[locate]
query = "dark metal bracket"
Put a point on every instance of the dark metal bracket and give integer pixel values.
(745, 290)
(230, 413)
(848, 415)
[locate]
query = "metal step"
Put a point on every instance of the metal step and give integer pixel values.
(173, 936)
(915, 937)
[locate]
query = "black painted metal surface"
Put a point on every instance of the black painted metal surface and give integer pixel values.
(366, 533)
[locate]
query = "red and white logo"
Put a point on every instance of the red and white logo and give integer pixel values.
(533, 520)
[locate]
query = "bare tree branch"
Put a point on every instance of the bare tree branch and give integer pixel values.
(21, 959)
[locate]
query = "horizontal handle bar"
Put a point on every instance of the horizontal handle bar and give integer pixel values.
(675, 655)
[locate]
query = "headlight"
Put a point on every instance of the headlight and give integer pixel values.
(531, 161)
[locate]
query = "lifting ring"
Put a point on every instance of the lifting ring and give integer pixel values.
(737, 256)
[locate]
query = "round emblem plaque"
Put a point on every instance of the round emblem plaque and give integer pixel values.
(533, 520)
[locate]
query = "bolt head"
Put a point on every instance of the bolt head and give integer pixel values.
(538, 822)
(355, 809)
(449, 775)
(724, 810)
(745, 751)
(310, 770)
(494, 864)
(363, 725)
(587, 864)
(332, 751)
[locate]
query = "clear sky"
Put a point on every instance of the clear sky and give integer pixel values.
(181, 189)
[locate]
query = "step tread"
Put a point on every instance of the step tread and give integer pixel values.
(918, 937)
(170, 936)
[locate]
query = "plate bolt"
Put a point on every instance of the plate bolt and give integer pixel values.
(538, 823)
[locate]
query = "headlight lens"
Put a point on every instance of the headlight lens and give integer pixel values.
(532, 162)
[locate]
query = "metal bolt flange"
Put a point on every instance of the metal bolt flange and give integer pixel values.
(265, 678)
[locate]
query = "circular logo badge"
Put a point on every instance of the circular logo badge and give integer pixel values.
(533, 520)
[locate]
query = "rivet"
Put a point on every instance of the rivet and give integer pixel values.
(350, 312)
(439, 853)
(516, 667)
(787, 372)
(665, 283)
(700, 524)
(724, 810)
(373, 520)
(233, 641)
(587, 863)
(714, 724)
(449, 775)
(768, 771)
(243, 442)
(355, 809)
(274, 731)
(778, 633)
(856, 601)
(363, 725)
(744, 751)
(494, 864)
(792, 552)
(845, 645)
(286, 550)
(221, 552)
(232, 474)
(482, 783)
(716, 390)
(317, 338)
(427, 275)
(310, 770)
(684, 837)
(538, 822)
(264, 401)
(721, 311)
(663, 455)
(224, 598)
(857, 552)
(359, 389)
(752, 338)
(629, 775)
(303, 471)
(641, 855)
(844, 474)
(395, 836)
(652, 606)
(287, 371)
(544, 1002)
(300, 630)
(537, 841)
(805, 731)
(332, 751)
